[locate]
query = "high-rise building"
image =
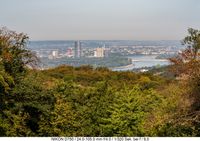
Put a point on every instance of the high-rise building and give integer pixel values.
(77, 49)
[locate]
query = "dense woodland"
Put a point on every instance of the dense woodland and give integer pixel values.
(83, 101)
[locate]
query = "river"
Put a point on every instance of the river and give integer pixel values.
(140, 61)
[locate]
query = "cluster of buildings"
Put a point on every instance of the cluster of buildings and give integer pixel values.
(79, 49)
(78, 52)
(144, 50)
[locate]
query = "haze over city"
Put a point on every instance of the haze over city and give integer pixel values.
(101, 19)
(99, 70)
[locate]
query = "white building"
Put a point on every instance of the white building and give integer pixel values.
(99, 52)
(55, 53)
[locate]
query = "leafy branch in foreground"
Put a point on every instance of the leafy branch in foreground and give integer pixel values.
(14, 55)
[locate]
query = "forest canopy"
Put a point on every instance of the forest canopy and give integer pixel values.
(87, 101)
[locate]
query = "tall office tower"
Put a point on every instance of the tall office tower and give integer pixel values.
(77, 49)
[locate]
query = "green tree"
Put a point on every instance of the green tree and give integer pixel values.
(100, 99)
(62, 117)
(186, 65)
(128, 112)
(185, 62)
(30, 101)
(193, 42)
(14, 55)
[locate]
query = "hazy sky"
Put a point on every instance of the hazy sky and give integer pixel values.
(101, 19)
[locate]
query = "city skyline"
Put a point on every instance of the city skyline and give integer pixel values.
(101, 19)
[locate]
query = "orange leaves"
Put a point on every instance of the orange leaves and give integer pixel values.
(14, 55)
(7, 56)
(187, 61)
